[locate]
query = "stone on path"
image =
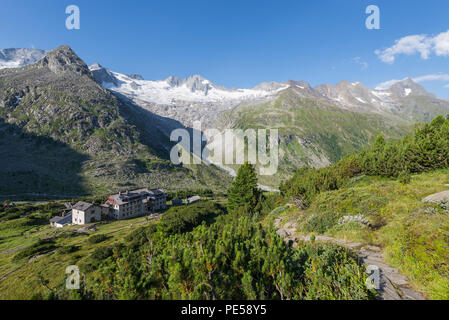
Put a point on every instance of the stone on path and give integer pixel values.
(393, 285)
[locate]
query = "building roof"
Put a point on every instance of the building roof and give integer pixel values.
(56, 219)
(157, 192)
(62, 220)
(194, 198)
(82, 206)
(138, 194)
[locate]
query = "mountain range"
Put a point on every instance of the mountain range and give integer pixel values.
(318, 125)
(116, 125)
(197, 91)
(63, 134)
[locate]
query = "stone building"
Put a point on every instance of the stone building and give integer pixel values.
(84, 213)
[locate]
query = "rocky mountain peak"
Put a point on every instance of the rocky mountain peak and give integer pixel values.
(135, 76)
(408, 87)
(270, 86)
(62, 60)
(343, 83)
(198, 83)
(174, 81)
(102, 75)
(299, 84)
(95, 66)
(194, 83)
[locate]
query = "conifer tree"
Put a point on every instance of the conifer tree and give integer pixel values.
(244, 192)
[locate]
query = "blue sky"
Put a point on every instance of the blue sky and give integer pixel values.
(242, 43)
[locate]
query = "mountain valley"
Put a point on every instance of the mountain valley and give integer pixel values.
(122, 128)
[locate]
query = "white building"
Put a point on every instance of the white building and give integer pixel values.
(84, 213)
(136, 203)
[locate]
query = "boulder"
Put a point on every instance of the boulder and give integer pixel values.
(437, 197)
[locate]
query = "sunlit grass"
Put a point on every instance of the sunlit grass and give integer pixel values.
(25, 282)
(415, 242)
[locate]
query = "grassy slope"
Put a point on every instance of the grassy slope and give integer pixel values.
(24, 283)
(20, 234)
(422, 108)
(414, 241)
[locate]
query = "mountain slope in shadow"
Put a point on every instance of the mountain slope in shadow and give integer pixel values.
(38, 166)
(123, 147)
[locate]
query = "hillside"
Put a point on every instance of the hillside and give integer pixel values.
(378, 196)
(387, 213)
(67, 136)
(197, 252)
(312, 131)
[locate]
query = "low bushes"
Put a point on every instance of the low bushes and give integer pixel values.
(427, 149)
(184, 219)
(68, 249)
(97, 238)
(41, 247)
(230, 259)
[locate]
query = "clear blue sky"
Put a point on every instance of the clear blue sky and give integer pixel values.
(240, 43)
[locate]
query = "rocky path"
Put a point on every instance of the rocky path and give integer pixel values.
(392, 284)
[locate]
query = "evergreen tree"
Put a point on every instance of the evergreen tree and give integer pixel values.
(427, 149)
(244, 192)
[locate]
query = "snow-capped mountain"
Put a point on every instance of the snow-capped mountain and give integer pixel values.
(317, 125)
(195, 98)
(174, 90)
(407, 88)
(14, 58)
(357, 97)
(196, 89)
(185, 100)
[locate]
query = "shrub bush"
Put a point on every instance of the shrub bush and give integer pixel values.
(184, 219)
(101, 253)
(97, 238)
(427, 149)
(230, 259)
(404, 177)
(68, 249)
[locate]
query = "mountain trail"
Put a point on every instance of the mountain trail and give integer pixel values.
(392, 284)
(32, 259)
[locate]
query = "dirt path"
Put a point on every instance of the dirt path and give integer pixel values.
(12, 250)
(21, 267)
(393, 285)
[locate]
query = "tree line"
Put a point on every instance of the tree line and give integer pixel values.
(426, 149)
